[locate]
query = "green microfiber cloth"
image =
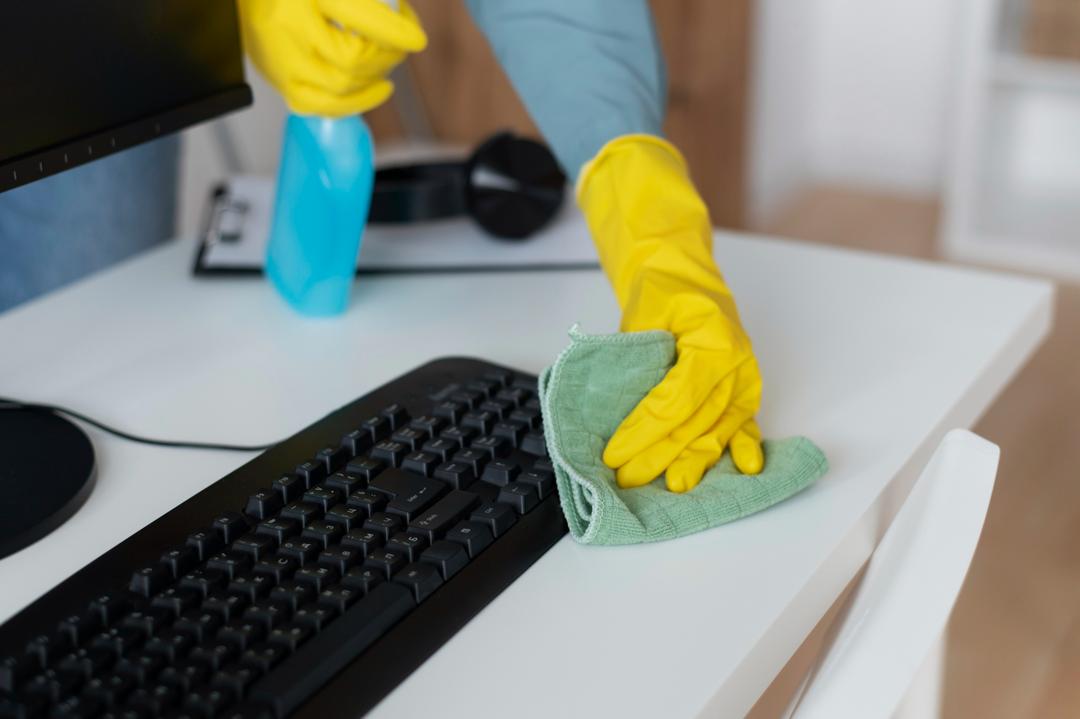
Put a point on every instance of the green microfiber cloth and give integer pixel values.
(584, 396)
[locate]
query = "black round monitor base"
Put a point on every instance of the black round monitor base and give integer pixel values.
(46, 473)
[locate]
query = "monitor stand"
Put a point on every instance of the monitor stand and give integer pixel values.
(46, 473)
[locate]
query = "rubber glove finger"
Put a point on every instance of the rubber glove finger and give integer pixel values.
(377, 21)
(745, 449)
(651, 462)
(689, 467)
(308, 100)
(669, 404)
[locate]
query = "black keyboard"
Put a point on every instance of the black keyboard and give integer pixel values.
(315, 578)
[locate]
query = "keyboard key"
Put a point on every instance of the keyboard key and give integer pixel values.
(517, 395)
(325, 654)
(278, 528)
(263, 657)
(303, 512)
(77, 706)
(469, 398)
(230, 563)
(533, 404)
(208, 701)
(149, 580)
(251, 587)
(501, 472)
(534, 444)
(213, 654)
(363, 578)
(363, 540)
(407, 489)
(500, 408)
(176, 600)
(312, 472)
(289, 486)
(397, 414)
(441, 448)
(14, 670)
(420, 579)
(345, 516)
(410, 437)
(199, 624)
(259, 546)
(153, 700)
(324, 533)
(496, 517)
(544, 482)
(290, 636)
(52, 684)
(437, 520)
(450, 411)
(385, 561)
(544, 465)
(511, 430)
(242, 634)
(118, 640)
(408, 544)
(473, 536)
(339, 598)
(479, 420)
(140, 667)
(501, 377)
(170, 645)
(357, 442)
(47, 647)
(422, 463)
(229, 526)
(315, 616)
(180, 560)
(87, 662)
(364, 467)
(522, 497)
(429, 425)
(494, 446)
(304, 551)
(345, 483)
(333, 457)
(264, 504)
(292, 594)
(368, 501)
(227, 606)
(109, 608)
(318, 577)
(459, 436)
(184, 675)
(110, 689)
(384, 524)
(268, 613)
(149, 621)
(323, 497)
(529, 417)
(376, 427)
(448, 557)
(458, 475)
(76, 628)
(409, 506)
(235, 679)
(390, 452)
(484, 387)
(341, 558)
(474, 458)
(279, 567)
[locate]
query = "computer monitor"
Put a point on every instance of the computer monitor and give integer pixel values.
(81, 80)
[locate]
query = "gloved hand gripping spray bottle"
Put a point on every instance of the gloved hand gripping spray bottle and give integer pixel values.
(323, 194)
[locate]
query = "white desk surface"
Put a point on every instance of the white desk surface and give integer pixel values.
(873, 358)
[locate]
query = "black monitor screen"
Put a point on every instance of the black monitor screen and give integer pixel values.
(80, 78)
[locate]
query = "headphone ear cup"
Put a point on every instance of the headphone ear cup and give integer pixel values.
(513, 186)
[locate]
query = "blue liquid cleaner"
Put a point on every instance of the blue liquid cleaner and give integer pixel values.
(323, 194)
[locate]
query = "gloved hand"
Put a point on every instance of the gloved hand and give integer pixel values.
(329, 57)
(654, 237)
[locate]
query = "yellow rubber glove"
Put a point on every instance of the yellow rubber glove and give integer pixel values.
(654, 237)
(329, 57)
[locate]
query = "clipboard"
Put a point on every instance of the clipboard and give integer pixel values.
(237, 220)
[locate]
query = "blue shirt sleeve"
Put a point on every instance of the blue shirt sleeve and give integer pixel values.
(588, 71)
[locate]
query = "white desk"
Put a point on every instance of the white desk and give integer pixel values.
(873, 358)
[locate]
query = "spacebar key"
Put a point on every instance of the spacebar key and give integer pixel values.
(294, 680)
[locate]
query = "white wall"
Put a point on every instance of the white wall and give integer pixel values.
(868, 95)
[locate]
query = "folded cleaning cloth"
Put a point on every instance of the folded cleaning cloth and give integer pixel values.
(592, 386)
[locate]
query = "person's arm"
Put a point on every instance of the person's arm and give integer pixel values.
(588, 71)
(591, 75)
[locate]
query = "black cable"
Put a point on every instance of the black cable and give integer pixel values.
(54, 409)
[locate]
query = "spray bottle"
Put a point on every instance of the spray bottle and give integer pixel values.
(323, 194)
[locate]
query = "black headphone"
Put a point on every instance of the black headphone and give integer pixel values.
(511, 186)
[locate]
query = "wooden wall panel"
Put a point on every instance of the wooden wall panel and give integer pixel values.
(706, 45)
